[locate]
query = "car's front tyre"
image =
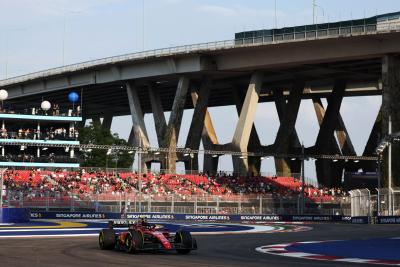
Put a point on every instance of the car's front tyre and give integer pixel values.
(134, 241)
(107, 239)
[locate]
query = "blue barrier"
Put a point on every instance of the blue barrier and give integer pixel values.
(388, 220)
(14, 215)
(191, 217)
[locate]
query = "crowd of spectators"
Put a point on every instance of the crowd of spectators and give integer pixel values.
(54, 111)
(86, 182)
(50, 133)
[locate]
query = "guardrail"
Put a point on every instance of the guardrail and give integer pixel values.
(210, 46)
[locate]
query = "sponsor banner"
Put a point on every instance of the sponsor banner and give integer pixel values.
(14, 215)
(388, 220)
(190, 217)
(258, 218)
(316, 218)
(360, 220)
(74, 215)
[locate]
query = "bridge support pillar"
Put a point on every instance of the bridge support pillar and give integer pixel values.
(254, 144)
(82, 123)
(96, 120)
(281, 106)
(244, 126)
(107, 121)
(159, 119)
(158, 114)
(138, 133)
(209, 139)
(373, 141)
(200, 101)
(328, 173)
(175, 120)
(391, 108)
(287, 128)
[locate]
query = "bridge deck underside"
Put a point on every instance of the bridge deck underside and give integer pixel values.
(319, 78)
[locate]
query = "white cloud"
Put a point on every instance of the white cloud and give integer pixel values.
(218, 10)
(51, 8)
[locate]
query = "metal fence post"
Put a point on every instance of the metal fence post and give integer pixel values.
(97, 202)
(369, 203)
(120, 204)
(240, 204)
(172, 204)
(72, 201)
(149, 204)
(1, 189)
(217, 208)
(260, 208)
(21, 199)
(351, 204)
(47, 200)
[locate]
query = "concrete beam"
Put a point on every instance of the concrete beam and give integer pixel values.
(391, 107)
(244, 126)
(175, 120)
(287, 128)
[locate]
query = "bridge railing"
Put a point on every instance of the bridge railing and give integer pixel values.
(209, 46)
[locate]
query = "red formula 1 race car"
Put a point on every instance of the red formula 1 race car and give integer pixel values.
(143, 236)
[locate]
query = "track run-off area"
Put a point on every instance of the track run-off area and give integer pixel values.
(75, 243)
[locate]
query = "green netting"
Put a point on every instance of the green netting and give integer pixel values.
(372, 21)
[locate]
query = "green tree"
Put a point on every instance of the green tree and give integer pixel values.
(95, 134)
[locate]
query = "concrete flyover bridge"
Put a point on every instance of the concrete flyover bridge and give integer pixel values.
(285, 70)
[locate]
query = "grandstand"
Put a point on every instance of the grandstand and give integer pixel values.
(86, 189)
(39, 137)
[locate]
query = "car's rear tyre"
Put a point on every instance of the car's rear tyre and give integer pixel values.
(185, 240)
(134, 241)
(107, 239)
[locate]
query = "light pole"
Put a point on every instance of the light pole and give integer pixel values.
(191, 163)
(387, 143)
(139, 172)
(302, 178)
(379, 183)
(390, 168)
(1, 188)
(107, 154)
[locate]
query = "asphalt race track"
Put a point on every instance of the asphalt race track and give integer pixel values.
(214, 250)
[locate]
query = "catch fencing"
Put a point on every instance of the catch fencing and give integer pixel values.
(136, 202)
(380, 202)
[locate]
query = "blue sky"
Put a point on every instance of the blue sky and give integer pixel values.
(35, 34)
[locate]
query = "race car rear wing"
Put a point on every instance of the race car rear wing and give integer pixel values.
(121, 223)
